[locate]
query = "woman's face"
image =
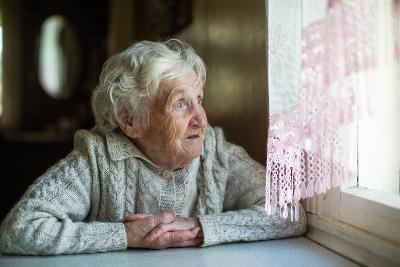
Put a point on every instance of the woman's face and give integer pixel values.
(177, 125)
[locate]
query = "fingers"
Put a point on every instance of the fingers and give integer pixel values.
(138, 226)
(189, 243)
(180, 223)
(150, 222)
(159, 230)
(175, 239)
(181, 236)
(136, 217)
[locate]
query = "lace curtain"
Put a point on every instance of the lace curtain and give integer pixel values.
(320, 53)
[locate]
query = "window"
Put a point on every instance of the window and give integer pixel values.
(362, 221)
(342, 114)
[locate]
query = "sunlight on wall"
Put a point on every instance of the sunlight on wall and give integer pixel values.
(51, 69)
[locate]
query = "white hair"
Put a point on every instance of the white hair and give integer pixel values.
(130, 80)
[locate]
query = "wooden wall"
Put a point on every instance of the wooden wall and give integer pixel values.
(11, 88)
(231, 37)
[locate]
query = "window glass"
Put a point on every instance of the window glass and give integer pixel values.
(379, 123)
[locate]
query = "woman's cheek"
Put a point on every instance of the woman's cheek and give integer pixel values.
(171, 131)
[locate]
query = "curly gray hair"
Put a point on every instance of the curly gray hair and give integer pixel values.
(130, 80)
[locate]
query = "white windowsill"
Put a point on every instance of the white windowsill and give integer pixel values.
(377, 202)
(350, 242)
(371, 211)
(358, 223)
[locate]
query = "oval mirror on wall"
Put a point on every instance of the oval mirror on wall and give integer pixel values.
(59, 57)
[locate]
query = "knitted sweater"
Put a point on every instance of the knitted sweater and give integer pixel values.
(77, 206)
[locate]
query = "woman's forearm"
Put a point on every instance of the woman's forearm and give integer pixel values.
(249, 225)
(51, 217)
(24, 235)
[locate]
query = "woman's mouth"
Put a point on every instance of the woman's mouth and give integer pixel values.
(193, 136)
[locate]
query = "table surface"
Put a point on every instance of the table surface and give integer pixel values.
(298, 251)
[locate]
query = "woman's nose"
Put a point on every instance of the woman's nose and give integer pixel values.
(198, 118)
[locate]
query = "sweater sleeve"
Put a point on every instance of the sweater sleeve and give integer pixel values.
(244, 217)
(51, 217)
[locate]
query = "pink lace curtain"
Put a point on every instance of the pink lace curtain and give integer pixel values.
(318, 53)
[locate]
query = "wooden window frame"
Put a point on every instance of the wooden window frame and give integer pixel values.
(358, 223)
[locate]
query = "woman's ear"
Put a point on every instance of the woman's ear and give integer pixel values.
(127, 125)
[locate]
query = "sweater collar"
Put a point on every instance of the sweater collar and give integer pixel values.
(120, 147)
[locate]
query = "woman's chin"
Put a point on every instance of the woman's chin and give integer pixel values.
(188, 154)
(194, 147)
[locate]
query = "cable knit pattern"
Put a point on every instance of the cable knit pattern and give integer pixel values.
(78, 204)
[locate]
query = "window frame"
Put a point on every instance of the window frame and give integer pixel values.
(358, 223)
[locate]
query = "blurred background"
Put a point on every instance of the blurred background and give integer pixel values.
(52, 53)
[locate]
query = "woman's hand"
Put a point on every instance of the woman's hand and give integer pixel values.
(179, 224)
(138, 227)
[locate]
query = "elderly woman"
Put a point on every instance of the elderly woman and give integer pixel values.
(151, 173)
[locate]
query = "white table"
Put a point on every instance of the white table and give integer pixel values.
(286, 252)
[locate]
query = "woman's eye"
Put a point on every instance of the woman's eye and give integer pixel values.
(180, 106)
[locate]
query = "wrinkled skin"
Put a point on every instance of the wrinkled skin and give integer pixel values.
(177, 124)
(158, 231)
(174, 136)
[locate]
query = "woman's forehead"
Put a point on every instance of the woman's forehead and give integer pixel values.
(185, 84)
